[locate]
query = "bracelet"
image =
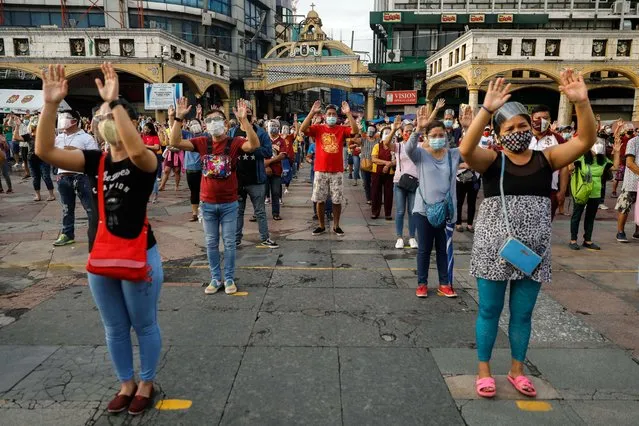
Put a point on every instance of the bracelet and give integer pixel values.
(178, 119)
(115, 103)
(487, 110)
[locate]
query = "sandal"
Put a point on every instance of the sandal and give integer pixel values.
(51, 199)
(485, 387)
(277, 217)
(523, 385)
(37, 199)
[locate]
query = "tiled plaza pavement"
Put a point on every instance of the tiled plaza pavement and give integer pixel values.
(328, 330)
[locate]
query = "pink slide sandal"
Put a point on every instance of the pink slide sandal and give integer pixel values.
(485, 387)
(523, 385)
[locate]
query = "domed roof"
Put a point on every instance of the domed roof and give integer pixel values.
(312, 14)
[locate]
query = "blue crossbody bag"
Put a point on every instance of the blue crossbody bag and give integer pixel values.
(513, 251)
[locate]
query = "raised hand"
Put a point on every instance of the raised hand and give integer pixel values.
(317, 107)
(198, 111)
(497, 94)
(54, 85)
(182, 108)
(441, 103)
(467, 117)
(294, 118)
(573, 86)
(422, 117)
(616, 147)
(241, 111)
(110, 89)
(397, 123)
(346, 108)
(171, 111)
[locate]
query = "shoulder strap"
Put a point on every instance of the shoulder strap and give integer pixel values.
(501, 193)
(450, 165)
(101, 211)
(399, 156)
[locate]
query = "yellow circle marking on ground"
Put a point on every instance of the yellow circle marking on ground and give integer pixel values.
(174, 404)
(240, 293)
(534, 405)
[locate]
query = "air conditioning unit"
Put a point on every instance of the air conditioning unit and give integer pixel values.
(394, 55)
(206, 18)
(620, 7)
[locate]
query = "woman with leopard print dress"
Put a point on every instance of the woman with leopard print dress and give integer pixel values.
(527, 187)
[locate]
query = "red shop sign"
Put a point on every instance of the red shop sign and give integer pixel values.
(401, 97)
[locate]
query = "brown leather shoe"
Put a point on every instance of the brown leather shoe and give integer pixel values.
(140, 403)
(120, 402)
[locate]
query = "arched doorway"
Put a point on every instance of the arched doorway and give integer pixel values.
(612, 103)
(11, 78)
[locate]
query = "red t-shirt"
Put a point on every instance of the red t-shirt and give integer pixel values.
(151, 141)
(219, 191)
(288, 147)
(624, 144)
(329, 146)
(278, 147)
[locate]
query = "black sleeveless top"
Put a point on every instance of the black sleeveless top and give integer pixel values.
(533, 178)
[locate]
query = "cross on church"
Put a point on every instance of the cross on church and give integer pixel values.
(312, 6)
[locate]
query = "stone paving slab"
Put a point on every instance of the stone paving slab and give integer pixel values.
(196, 328)
(194, 299)
(19, 361)
(596, 413)
(506, 413)
(398, 300)
(382, 386)
(354, 278)
(285, 385)
(298, 300)
(307, 278)
(281, 329)
(589, 373)
(47, 416)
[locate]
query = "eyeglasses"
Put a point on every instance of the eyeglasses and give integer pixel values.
(215, 119)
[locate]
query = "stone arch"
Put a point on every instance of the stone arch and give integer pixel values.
(518, 87)
(433, 89)
(314, 82)
(192, 84)
(223, 90)
(630, 75)
(483, 75)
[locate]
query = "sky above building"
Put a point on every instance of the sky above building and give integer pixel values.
(340, 18)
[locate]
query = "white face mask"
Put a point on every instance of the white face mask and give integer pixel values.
(598, 149)
(65, 121)
(195, 127)
(216, 127)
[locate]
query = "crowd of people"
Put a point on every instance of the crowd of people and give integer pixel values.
(427, 168)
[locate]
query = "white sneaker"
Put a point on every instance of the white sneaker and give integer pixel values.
(213, 287)
(267, 201)
(229, 287)
(286, 190)
(413, 243)
(603, 207)
(400, 243)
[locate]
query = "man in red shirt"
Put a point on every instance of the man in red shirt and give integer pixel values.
(218, 190)
(274, 167)
(329, 166)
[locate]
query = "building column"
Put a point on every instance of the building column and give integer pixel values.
(226, 106)
(160, 115)
(370, 105)
(564, 117)
(253, 103)
(635, 106)
(473, 99)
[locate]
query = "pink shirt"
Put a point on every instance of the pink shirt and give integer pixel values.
(404, 163)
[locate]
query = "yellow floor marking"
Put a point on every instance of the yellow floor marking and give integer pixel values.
(174, 404)
(240, 293)
(538, 406)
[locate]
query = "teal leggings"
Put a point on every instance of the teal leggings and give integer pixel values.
(523, 296)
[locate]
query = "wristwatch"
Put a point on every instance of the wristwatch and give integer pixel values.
(178, 119)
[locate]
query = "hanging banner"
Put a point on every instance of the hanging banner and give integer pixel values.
(392, 17)
(449, 19)
(161, 95)
(505, 19)
(401, 97)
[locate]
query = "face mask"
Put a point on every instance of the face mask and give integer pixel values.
(273, 130)
(64, 122)
(108, 132)
(437, 143)
(215, 127)
(195, 127)
(285, 131)
(486, 133)
(385, 134)
(331, 121)
(567, 136)
(541, 125)
(371, 133)
(448, 123)
(517, 142)
(608, 131)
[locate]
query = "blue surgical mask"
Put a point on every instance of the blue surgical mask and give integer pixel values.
(448, 123)
(437, 143)
(331, 121)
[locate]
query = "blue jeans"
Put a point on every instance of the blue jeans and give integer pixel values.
(523, 296)
(126, 304)
(215, 217)
(40, 171)
(427, 235)
(356, 162)
(69, 186)
(256, 193)
(366, 182)
(312, 173)
(404, 202)
(5, 169)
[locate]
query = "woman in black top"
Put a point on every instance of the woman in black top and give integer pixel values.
(527, 188)
(129, 175)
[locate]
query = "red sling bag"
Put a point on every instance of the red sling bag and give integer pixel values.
(113, 256)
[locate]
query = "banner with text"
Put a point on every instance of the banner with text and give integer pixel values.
(161, 95)
(401, 97)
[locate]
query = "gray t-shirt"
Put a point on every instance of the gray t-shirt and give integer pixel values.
(435, 178)
(630, 179)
